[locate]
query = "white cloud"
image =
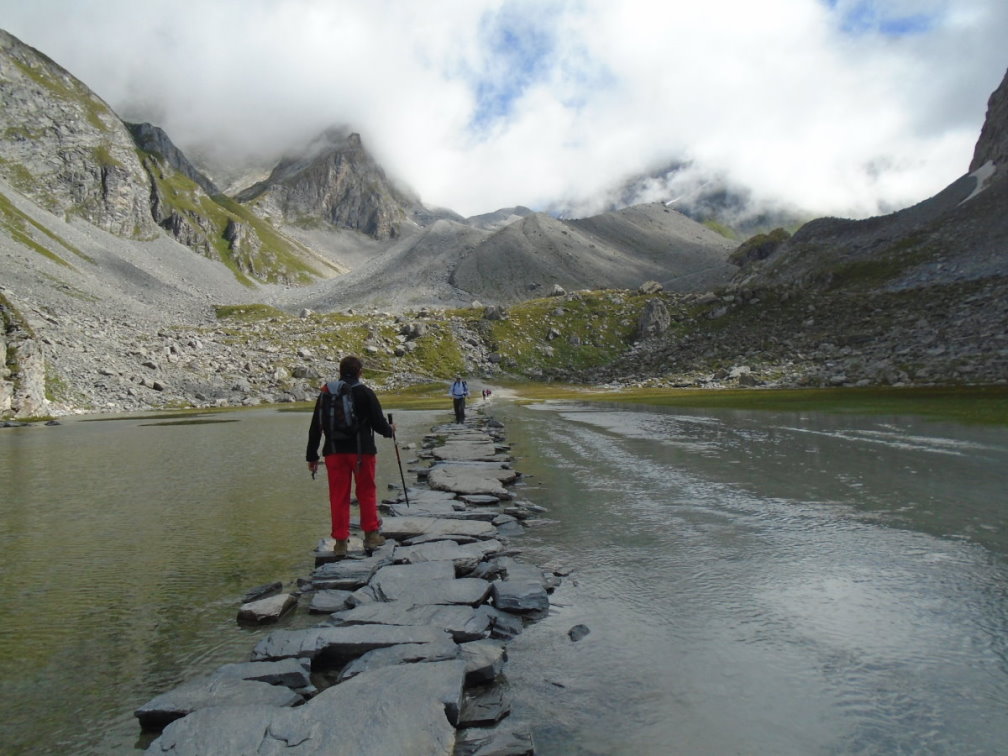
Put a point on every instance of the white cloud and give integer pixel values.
(841, 106)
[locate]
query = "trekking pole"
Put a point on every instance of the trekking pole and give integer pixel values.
(399, 461)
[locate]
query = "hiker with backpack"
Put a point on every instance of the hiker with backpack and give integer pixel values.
(459, 392)
(348, 414)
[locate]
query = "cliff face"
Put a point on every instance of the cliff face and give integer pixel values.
(335, 180)
(150, 138)
(62, 146)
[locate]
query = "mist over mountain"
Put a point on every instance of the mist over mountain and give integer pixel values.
(120, 254)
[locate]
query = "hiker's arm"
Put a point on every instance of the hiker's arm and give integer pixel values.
(378, 422)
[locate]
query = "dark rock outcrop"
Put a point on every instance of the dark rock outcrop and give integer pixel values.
(993, 143)
(153, 139)
(335, 180)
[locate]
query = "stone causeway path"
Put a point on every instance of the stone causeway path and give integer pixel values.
(410, 655)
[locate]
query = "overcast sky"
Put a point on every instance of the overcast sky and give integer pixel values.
(842, 107)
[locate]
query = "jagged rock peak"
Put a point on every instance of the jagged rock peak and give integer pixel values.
(63, 146)
(993, 143)
(150, 138)
(336, 180)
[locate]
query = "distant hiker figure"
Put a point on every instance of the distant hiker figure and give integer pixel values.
(348, 414)
(459, 392)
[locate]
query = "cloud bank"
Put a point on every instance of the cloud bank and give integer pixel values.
(840, 107)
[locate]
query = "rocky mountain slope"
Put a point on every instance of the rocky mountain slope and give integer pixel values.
(127, 281)
(918, 296)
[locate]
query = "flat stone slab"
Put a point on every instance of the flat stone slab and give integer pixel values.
(466, 450)
(406, 709)
(522, 591)
(448, 551)
(202, 692)
(293, 673)
(414, 653)
(460, 621)
(268, 609)
(349, 574)
(401, 528)
(328, 601)
(479, 500)
(470, 480)
(340, 643)
(428, 583)
(446, 507)
(507, 739)
(484, 660)
(486, 707)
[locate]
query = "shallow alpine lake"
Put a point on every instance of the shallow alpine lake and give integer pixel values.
(753, 581)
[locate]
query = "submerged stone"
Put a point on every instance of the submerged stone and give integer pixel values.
(267, 609)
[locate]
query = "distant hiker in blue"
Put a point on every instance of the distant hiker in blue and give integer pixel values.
(459, 392)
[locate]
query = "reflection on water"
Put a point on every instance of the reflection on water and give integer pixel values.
(766, 583)
(125, 547)
(753, 583)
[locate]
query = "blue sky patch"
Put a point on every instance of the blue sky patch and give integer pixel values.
(520, 48)
(862, 17)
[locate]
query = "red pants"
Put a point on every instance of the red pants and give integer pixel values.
(341, 468)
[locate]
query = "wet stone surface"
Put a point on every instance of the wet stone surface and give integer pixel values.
(411, 639)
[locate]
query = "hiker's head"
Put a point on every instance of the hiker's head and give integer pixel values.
(350, 367)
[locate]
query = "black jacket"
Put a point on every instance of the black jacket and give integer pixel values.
(369, 412)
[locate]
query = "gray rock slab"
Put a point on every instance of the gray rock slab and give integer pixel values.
(401, 528)
(502, 624)
(339, 644)
(507, 739)
(262, 591)
(268, 609)
(414, 653)
(350, 574)
(440, 551)
(293, 673)
(202, 692)
(446, 507)
(459, 620)
(484, 660)
(480, 500)
(486, 707)
(480, 451)
(428, 583)
(407, 710)
(434, 537)
(328, 601)
(522, 591)
(464, 481)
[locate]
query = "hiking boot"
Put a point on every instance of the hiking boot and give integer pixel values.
(373, 539)
(339, 548)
